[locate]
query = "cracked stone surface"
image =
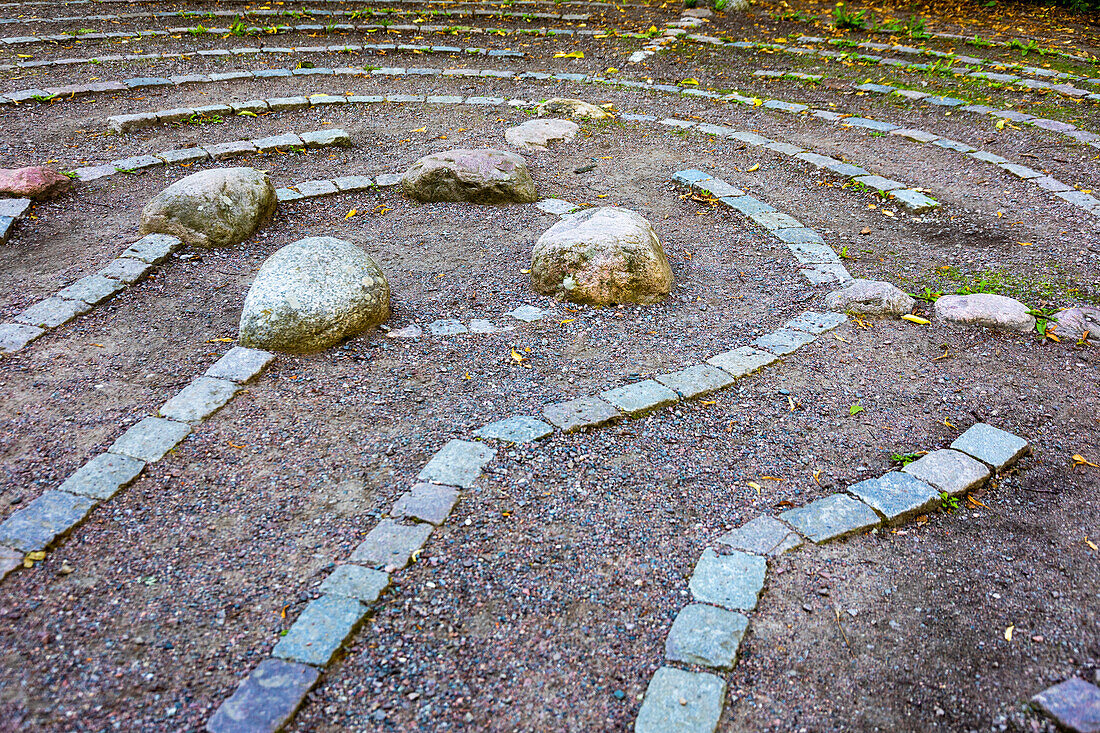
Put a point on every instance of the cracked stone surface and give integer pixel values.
(831, 518)
(896, 495)
(731, 581)
(706, 635)
(949, 471)
(762, 536)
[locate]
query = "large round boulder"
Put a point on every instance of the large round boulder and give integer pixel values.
(985, 309)
(34, 182)
(870, 298)
(538, 134)
(214, 208)
(482, 176)
(312, 294)
(601, 257)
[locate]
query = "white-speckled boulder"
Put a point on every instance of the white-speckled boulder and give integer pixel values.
(312, 294)
(482, 176)
(214, 208)
(870, 298)
(538, 134)
(1074, 322)
(985, 309)
(601, 257)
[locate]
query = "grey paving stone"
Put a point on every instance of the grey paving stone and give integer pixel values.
(15, 208)
(282, 104)
(320, 630)
(179, 114)
(690, 176)
(150, 439)
(783, 341)
(914, 201)
(255, 106)
(949, 471)
(458, 463)
(831, 518)
(52, 312)
(896, 495)
(390, 545)
(641, 397)
(321, 100)
(776, 220)
(762, 536)
(731, 581)
(37, 525)
(126, 270)
(153, 248)
(9, 560)
(353, 183)
(696, 381)
(987, 157)
(557, 206)
(240, 364)
(229, 149)
(94, 172)
(583, 412)
(827, 274)
(187, 155)
(15, 336)
(706, 635)
(785, 148)
(1021, 171)
(447, 327)
(325, 138)
(199, 400)
(800, 235)
(742, 361)
(516, 429)
(355, 581)
(1051, 184)
(430, 503)
(747, 205)
(992, 446)
(879, 183)
(677, 701)
(102, 477)
(287, 194)
(386, 180)
(1078, 198)
(93, 289)
(1074, 704)
(136, 163)
(816, 323)
(717, 188)
(870, 124)
(286, 140)
(313, 189)
(812, 254)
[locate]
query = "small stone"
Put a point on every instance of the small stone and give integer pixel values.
(320, 630)
(35, 527)
(539, 134)
(831, 518)
(816, 323)
(742, 361)
(992, 446)
(34, 182)
(641, 397)
(783, 341)
(458, 463)
(949, 471)
(354, 581)
(870, 298)
(696, 381)
(1074, 704)
(266, 699)
(1074, 323)
(391, 545)
(447, 327)
(573, 108)
(103, 476)
(430, 503)
(896, 495)
(240, 364)
(985, 309)
(580, 413)
(731, 581)
(677, 701)
(150, 439)
(199, 400)
(517, 429)
(15, 336)
(52, 312)
(481, 176)
(706, 635)
(762, 536)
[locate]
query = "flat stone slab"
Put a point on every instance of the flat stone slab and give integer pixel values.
(458, 463)
(731, 581)
(93, 289)
(391, 545)
(896, 495)
(527, 313)
(266, 699)
(126, 269)
(949, 471)
(430, 503)
(1074, 704)
(783, 341)
(102, 477)
(831, 518)
(583, 412)
(199, 400)
(697, 380)
(816, 323)
(641, 397)
(153, 248)
(355, 581)
(742, 361)
(150, 439)
(37, 525)
(52, 312)
(762, 536)
(447, 327)
(240, 364)
(559, 207)
(516, 429)
(15, 336)
(991, 445)
(354, 183)
(320, 630)
(681, 702)
(913, 201)
(706, 635)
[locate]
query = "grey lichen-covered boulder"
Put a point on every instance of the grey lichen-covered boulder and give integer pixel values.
(214, 208)
(312, 294)
(601, 257)
(1074, 323)
(572, 108)
(482, 176)
(985, 309)
(870, 298)
(538, 134)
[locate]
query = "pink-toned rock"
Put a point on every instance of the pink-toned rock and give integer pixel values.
(35, 182)
(985, 309)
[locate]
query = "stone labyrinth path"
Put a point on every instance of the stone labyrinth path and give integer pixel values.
(751, 384)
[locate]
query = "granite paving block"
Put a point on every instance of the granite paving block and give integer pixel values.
(731, 581)
(353, 183)
(15, 336)
(827, 274)
(150, 439)
(93, 289)
(37, 525)
(320, 630)
(762, 536)
(516, 429)
(1078, 198)
(136, 163)
(677, 701)
(878, 183)
(812, 254)
(1074, 704)
(240, 364)
(1051, 184)
(102, 477)
(187, 155)
(831, 518)
(324, 138)
(785, 148)
(153, 248)
(783, 341)
(696, 381)
(458, 463)
(992, 446)
(583, 412)
(286, 140)
(747, 205)
(283, 104)
(52, 312)
(312, 189)
(229, 149)
(355, 581)
(800, 235)
(949, 471)
(742, 361)
(987, 157)
(717, 188)
(15, 208)
(914, 201)
(816, 323)
(776, 220)
(641, 397)
(690, 176)
(391, 545)
(430, 503)
(706, 635)
(1021, 171)
(126, 270)
(557, 206)
(896, 495)
(326, 99)
(385, 180)
(199, 400)
(266, 699)
(447, 327)
(287, 194)
(94, 172)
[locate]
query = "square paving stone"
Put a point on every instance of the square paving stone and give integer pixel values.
(878, 183)
(15, 208)
(800, 235)
(827, 274)
(762, 536)
(583, 412)
(742, 361)
(240, 364)
(459, 463)
(312, 189)
(731, 581)
(286, 140)
(324, 138)
(52, 312)
(913, 201)
(991, 445)
(1074, 704)
(384, 180)
(102, 477)
(527, 313)
(320, 630)
(776, 220)
(15, 336)
(37, 525)
(430, 503)
(896, 495)
(816, 323)
(812, 254)
(354, 581)
(557, 206)
(706, 635)
(641, 397)
(354, 183)
(696, 381)
(126, 270)
(391, 545)
(949, 471)
(677, 701)
(187, 155)
(747, 205)
(718, 188)
(447, 327)
(831, 518)
(516, 429)
(93, 289)
(221, 151)
(199, 400)
(150, 439)
(153, 248)
(783, 341)
(266, 699)
(283, 104)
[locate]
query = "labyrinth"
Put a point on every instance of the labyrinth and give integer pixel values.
(549, 366)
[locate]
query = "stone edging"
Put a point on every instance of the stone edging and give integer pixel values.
(11, 211)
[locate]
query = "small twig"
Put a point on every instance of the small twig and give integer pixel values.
(841, 629)
(1040, 491)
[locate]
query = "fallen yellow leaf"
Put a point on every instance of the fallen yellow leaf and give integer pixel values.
(916, 319)
(1025, 244)
(220, 341)
(756, 486)
(351, 213)
(1079, 460)
(419, 129)
(1008, 633)
(1092, 544)
(755, 167)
